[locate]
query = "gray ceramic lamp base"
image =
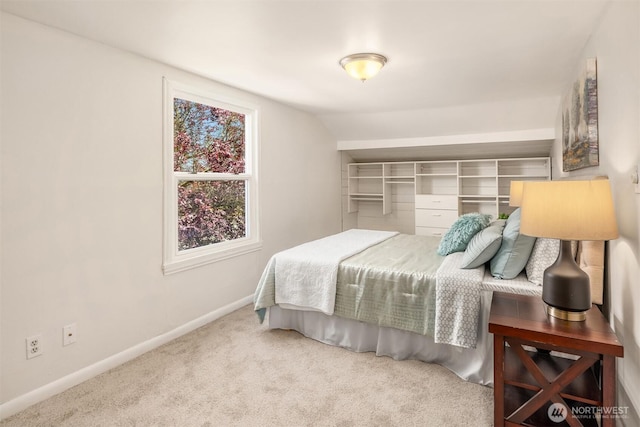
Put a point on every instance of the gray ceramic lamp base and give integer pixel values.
(565, 287)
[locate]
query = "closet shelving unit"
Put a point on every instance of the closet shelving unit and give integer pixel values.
(373, 182)
(436, 202)
(366, 184)
(444, 189)
(538, 169)
(478, 186)
(396, 174)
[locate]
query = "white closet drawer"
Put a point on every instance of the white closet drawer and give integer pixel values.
(438, 218)
(436, 201)
(430, 231)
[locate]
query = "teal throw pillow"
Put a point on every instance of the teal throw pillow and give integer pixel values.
(514, 251)
(461, 232)
(483, 246)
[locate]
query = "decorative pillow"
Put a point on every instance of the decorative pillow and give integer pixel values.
(514, 251)
(545, 252)
(483, 246)
(461, 232)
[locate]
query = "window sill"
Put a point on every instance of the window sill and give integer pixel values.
(187, 262)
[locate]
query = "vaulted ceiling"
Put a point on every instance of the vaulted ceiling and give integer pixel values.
(442, 54)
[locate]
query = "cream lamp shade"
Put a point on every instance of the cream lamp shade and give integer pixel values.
(363, 66)
(567, 210)
(515, 193)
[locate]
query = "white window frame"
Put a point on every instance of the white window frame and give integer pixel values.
(174, 259)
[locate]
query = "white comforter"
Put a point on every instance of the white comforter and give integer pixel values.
(307, 274)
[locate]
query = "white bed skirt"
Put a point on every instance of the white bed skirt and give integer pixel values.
(474, 365)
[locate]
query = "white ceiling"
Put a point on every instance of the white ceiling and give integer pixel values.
(442, 54)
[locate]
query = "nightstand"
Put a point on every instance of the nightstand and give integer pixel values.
(535, 387)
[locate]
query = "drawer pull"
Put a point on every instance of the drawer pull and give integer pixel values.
(436, 214)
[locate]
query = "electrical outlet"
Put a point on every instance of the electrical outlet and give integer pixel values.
(69, 334)
(34, 346)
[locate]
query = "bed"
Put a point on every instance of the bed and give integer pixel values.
(392, 294)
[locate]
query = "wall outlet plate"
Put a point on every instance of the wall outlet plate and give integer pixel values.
(34, 346)
(69, 334)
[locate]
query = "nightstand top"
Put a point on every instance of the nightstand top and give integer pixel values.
(524, 317)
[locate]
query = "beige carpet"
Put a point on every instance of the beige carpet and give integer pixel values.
(235, 372)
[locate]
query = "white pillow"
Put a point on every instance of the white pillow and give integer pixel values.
(545, 252)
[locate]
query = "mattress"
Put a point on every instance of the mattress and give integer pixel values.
(518, 285)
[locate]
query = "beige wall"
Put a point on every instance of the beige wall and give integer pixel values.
(82, 203)
(616, 46)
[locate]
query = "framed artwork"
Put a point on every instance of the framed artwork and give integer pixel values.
(580, 121)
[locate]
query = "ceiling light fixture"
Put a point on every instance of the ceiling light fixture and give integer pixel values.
(363, 66)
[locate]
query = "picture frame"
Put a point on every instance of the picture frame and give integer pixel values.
(580, 121)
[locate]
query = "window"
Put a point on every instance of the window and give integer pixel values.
(210, 147)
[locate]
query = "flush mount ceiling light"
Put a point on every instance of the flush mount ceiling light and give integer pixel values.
(363, 66)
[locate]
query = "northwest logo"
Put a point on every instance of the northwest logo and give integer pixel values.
(557, 412)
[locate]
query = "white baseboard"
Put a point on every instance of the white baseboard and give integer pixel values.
(58, 386)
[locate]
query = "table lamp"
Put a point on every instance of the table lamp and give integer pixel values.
(515, 193)
(567, 210)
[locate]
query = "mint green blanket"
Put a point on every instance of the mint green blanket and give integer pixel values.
(390, 284)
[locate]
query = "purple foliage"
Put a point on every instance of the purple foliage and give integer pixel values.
(209, 139)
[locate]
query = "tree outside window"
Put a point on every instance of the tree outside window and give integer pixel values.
(212, 181)
(208, 140)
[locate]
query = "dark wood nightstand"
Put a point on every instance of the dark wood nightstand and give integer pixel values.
(537, 388)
